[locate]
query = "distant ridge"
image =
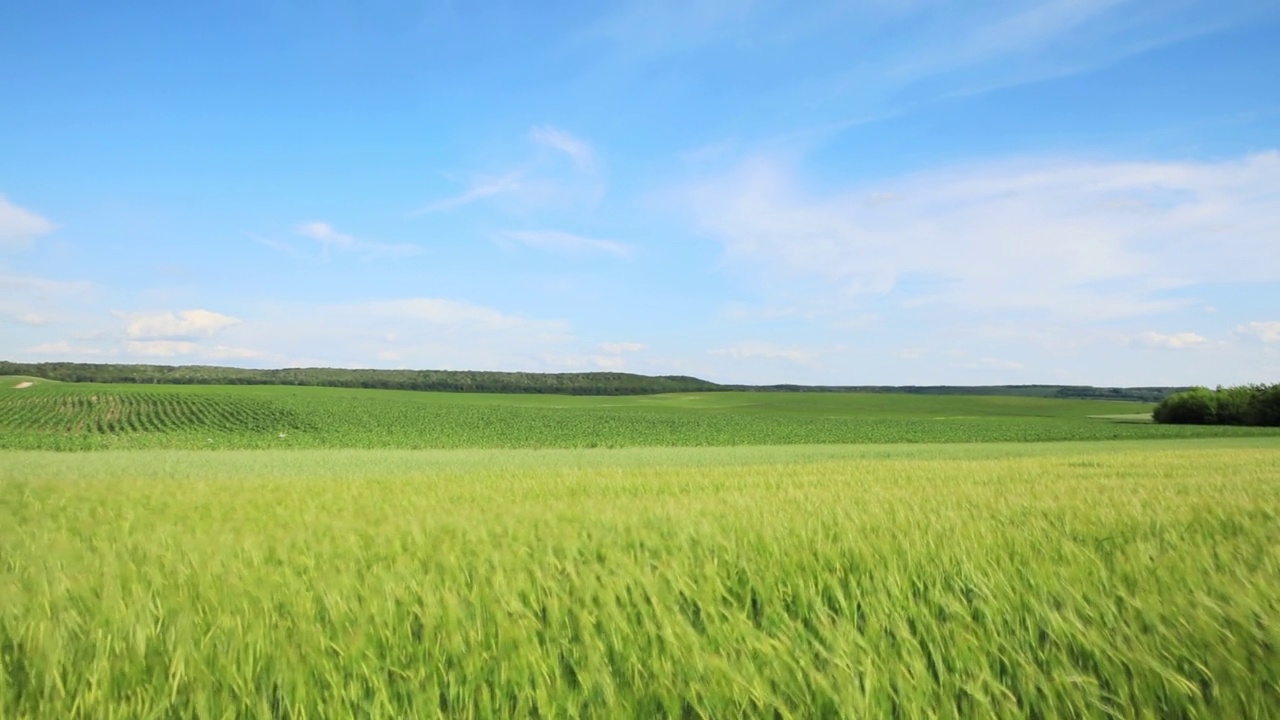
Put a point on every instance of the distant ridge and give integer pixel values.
(593, 383)
(584, 383)
(1074, 392)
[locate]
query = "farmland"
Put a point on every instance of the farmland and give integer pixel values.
(92, 416)
(966, 580)
(318, 552)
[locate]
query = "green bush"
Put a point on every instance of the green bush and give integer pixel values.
(1264, 406)
(1196, 406)
(1231, 405)
(1242, 405)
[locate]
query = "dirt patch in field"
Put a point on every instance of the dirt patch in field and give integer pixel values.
(23, 385)
(1125, 417)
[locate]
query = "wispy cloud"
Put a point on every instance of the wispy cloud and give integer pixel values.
(991, 364)
(767, 351)
(570, 244)
(622, 347)
(33, 318)
(483, 188)
(420, 332)
(1031, 26)
(1079, 239)
(33, 300)
(1267, 332)
(1175, 341)
(333, 241)
(405, 332)
(537, 181)
(278, 245)
(223, 352)
(62, 350)
(192, 351)
(19, 226)
(160, 348)
(939, 50)
(441, 311)
(578, 362)
(32, 285)
(645, 29)
(579, 150)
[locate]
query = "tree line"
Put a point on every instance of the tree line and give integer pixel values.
(1063, 392)
(1240, 405)
(588, 383)
(592, 383)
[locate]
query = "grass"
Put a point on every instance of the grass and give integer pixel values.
(1122, 579)
(91, 416)
(9, 381)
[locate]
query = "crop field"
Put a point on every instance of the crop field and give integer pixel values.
(91, 416)
(317, 552)
(1121, 579)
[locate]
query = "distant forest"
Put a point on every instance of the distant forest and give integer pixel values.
(1073, 392)
(590, 383)
(1240, 405)
(595, 383)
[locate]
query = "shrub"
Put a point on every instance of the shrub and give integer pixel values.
(1196, 406)
(1231, 405)
(1264, 406)
(1243, 405)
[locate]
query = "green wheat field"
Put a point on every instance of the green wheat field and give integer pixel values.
(223, 552)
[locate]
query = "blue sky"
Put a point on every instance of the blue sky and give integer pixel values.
(853, 192)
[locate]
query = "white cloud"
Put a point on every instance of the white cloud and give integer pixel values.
(61, 350)
(1267, 332)
(186, 324)
(1032, 26)
(32, 318)
(767, 351)
(1027, 42)
(278, 246)
(1176, 341)
(18, 226)
(939, 49)
(612, 363)
(160, 348)
(408, 332)
(326, 235)
(1082, 239)
(579, 150)
(428, 333)
(190, 351)
(332, 240)
(43, 287)
(622, 347)
(222, 352)
(32, 300)
(539, 181)
(481, 189)
(568, 243)
(992, 364)
(438, 311)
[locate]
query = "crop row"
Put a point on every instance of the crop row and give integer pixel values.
(139, 412)
(166, 417)
(1097, 583)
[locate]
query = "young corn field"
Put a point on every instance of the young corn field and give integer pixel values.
(1123, 579)
(90, 417)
